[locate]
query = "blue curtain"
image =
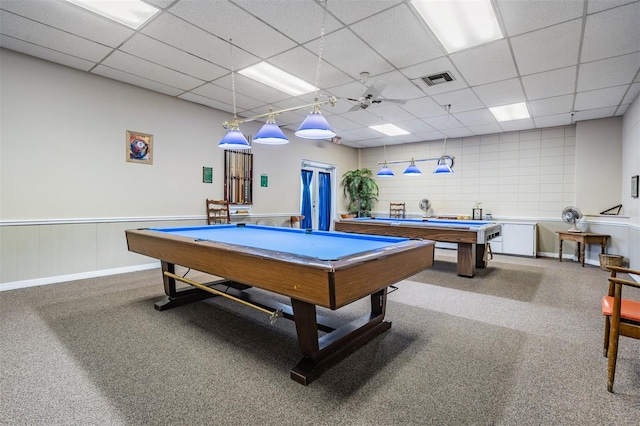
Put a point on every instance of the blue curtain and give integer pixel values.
(324, 195)
(305, 209)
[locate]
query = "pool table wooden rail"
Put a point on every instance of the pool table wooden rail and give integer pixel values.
(330, 284)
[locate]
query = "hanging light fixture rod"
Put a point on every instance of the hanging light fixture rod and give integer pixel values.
(420, 160)
(237, 121)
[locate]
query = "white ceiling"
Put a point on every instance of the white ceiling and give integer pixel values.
(570, 60)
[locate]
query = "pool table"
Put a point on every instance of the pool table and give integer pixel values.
(471, 236)
(311, 268)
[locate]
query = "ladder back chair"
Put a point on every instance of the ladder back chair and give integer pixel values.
(622, 318)
(217, 212)
(397, 210)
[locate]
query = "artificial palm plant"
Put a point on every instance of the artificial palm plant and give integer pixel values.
(361, 190)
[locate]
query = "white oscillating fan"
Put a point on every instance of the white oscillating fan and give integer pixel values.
(424, 205)
(571, 215)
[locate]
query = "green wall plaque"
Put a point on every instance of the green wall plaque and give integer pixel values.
(264, 181)
(207, 174)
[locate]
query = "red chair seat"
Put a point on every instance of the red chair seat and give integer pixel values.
(629, 309)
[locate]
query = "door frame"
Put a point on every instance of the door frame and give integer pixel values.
(332, 169)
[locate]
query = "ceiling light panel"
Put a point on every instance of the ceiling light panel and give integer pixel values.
(510, 112)
(132, 13)
(389, 129)
(460, 24)
(271, 76)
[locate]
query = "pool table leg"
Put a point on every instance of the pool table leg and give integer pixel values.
(466, 259)
(321, 353)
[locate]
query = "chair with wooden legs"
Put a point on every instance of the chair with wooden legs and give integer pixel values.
(622, 318)
(397, 210)
(217, 212)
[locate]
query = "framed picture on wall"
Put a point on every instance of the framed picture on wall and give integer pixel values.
(634, 186)
(139, 147)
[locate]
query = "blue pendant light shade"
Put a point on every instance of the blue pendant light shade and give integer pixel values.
(443, 167)
(385, 171)
(270, 133)
(234, 139)
(412, 170)
(315, 126)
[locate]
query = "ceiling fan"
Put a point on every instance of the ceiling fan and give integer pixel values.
(370, 94)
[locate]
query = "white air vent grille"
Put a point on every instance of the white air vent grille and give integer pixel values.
(440, 78)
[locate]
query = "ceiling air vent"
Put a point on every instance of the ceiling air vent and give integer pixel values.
(440, 78)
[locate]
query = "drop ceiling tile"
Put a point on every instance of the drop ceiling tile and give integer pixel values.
(192, 97)
(552, 106)
(501, 92)
(484, 129)
(160, 53)
(163, 4)
(398, 86)
(611, 33)
(431, 136)
(389, 112)
(45, 53)
(424, 107)
(222, 94)
(549, 48)
(485, 64)
(443, 123)
(600, 98)
(473, 118)
(304, 64)
(42, 35)
(252, 88)
(460, 100)
(622, 109)
(394, 45)
(553, 120)
(459, 132)
(301, 21)
(513, 125)
(228, 21)
(350, 54)
(135, 80)
(524, 16)
(415, 126)
(142, 68)
(71, 19)
(632, 93)
(595, 113)
(549, 84)
(355, 10)
(342, 123)
(600, 5)
(362, 117)
(175, 32)
(608, 72)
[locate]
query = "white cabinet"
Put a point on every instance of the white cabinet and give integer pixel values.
(520, 238)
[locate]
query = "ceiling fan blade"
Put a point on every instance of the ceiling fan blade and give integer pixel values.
(375, 89)
(355, 107)
(394, 101)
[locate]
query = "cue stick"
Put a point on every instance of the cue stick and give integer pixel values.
(274, 315)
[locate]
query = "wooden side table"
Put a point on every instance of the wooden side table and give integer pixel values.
(582, 238)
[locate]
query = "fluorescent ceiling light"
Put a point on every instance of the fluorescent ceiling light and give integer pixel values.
(460, 24)
(271, 76)
(389, 129)
(510, 112)
(132, 13)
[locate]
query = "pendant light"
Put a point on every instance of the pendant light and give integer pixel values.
(234, 139)
(385, 171)
(443, 166)
(270, 133)
(412, 170)
(315, 126)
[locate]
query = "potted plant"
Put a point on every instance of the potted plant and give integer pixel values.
(361, 190)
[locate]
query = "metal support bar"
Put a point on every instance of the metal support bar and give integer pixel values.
(421, 160)
(274, 315)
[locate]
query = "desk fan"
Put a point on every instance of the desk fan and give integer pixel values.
(424, 205)
(571, 215)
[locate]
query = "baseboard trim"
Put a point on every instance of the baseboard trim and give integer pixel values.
(73, 277)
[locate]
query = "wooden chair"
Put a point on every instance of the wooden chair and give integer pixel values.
(217, 212)
(397, 210)
(295, 221)
(622, 318)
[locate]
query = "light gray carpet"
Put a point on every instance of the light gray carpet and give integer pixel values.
(519, 344)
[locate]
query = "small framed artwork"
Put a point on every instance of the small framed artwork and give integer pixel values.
(634, 186)
(139, 147)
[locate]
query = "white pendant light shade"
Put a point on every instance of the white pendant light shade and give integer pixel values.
(234, 139)
(385, 171)
(412, 170)
(315, 126)
(270, 134)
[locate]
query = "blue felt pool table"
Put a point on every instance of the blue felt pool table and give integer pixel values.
(471, 236)
(312, 268)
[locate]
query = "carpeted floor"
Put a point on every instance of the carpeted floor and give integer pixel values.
(519, 344)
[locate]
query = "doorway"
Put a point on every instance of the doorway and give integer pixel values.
(317, 195)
